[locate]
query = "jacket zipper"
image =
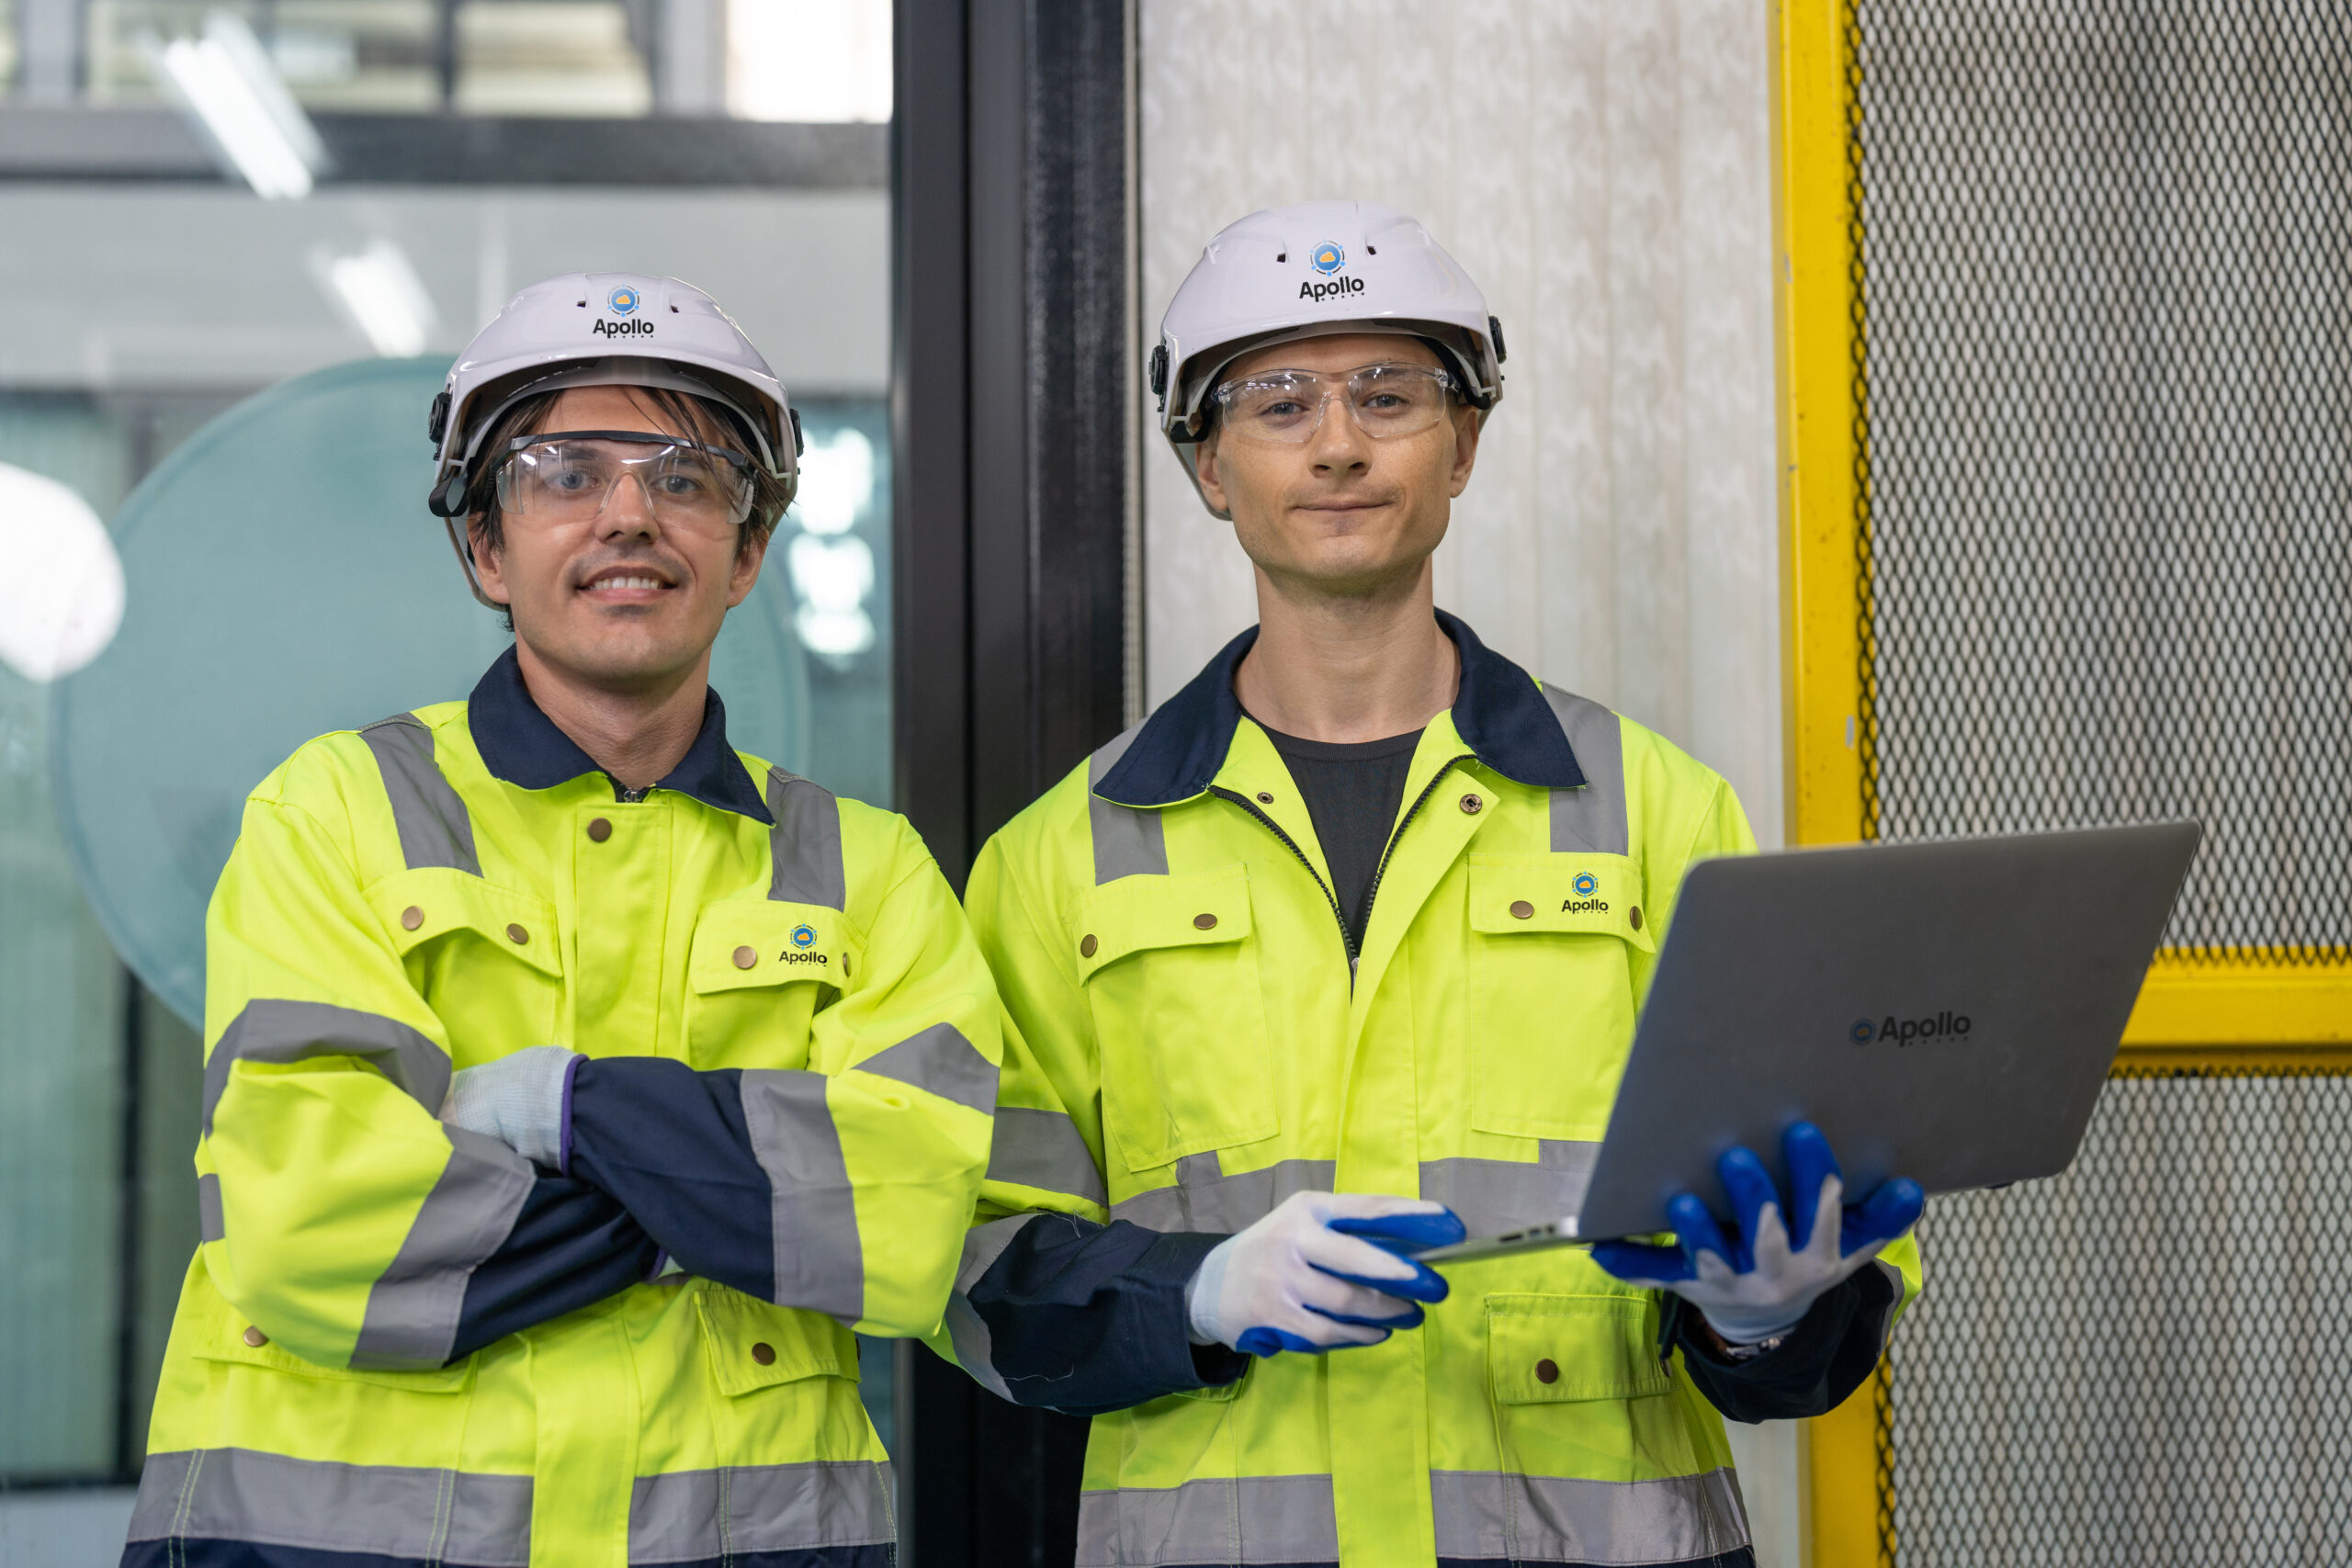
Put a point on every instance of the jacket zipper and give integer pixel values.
(1328, 898)
(1373, 894)
(1419, 800)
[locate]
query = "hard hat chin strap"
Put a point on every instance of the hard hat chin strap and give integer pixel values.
(447, 499)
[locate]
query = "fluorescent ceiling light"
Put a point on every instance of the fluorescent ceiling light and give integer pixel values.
(226, 85)
(809, 60)
(380, 290)
(60, 601)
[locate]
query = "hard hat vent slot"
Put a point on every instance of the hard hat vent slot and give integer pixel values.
(1370, 249)
(1282, 255)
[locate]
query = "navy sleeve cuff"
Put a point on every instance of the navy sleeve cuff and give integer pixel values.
(1088, 1319)
(1830, 1353)
(670, 1146)
(570, 1246)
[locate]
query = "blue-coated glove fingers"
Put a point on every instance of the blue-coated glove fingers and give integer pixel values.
(1696, 1230)
(1811, 1165)
(1406, 1235)
(1320, 1271)
(1893, 1206)
(1641, 1263)
(1268, 1341)
(1426, 1285)
(1749, 1187)
(1403, 1235)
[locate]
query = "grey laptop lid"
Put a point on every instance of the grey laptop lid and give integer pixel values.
(1946, 1011)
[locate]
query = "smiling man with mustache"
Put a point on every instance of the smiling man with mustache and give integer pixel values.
(576, 1083)
(1334, 956)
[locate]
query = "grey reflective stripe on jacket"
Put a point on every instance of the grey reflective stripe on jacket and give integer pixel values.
(1490, 1195)
(209, 1224)
(1591, 820)
(270, 1029)
(484, 1521)
(941, 1062)
(1044, 1149)
(820, 1259)
(721, 1515)
(434, 826)
(410, 1515)
(1205, 1199)
(805, 845)
(1251, 1519)
(410, 1324)
(1497, 1195)
(1501, 1515)
(1128, 840)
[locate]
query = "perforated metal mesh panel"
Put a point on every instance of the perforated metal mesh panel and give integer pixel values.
(2105, 378)
(2143, 1360)
(2106, 280)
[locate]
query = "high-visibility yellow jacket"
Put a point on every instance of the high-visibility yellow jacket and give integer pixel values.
(1192, 1039)
(400, 1342)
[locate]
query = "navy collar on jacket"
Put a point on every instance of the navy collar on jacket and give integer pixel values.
(520, 744)
(1499, 713)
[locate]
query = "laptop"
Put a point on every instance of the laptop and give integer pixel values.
(1945, 1010)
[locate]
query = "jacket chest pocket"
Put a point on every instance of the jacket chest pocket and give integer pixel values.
(488, 959)
(1572, 1349)
(1171, 972)
(760, 970)
(1555, 944)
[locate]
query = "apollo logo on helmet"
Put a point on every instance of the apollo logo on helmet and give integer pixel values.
(623, 301)
(1328, 258)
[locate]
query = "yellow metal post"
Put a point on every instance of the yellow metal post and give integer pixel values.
(1818, 299)
(1818, 336)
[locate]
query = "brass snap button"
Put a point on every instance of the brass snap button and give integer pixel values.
(255, 1338)
(1265, 798)
(600, 829)
(411, 917)
(1547, 1370)
(764, 1353)
(1086, 946)
(1634, 915)
(1472, 804)
(1521, 909)
(1204, 922)
(517, 935)
(745, 957)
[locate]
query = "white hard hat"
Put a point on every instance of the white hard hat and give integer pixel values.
(606, 329)
(1313, 269)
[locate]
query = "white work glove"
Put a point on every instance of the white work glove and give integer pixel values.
(1759, 1284)
(1297, 1282)
(518, 1100)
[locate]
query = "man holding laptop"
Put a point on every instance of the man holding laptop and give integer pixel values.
(1337, 956)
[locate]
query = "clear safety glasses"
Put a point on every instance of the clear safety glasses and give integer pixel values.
(1287, 406)
(572, 476)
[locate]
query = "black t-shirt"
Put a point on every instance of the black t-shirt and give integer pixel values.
(1352, 791)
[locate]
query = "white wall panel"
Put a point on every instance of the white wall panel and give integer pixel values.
(1603, 171)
